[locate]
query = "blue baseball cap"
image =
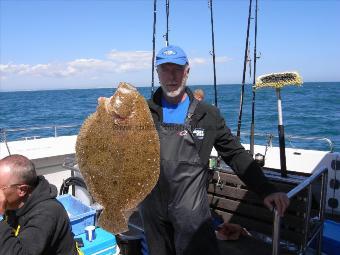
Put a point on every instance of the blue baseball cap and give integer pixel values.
(171, 54)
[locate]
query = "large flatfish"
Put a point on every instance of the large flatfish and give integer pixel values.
(118, 152)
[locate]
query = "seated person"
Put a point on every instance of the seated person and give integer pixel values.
(34, 221)
(199, 94)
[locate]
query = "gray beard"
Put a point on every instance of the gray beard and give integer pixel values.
(173, 93)
(177, 92)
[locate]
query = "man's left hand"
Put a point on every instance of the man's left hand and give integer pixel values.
(279, 200)
(230, 231)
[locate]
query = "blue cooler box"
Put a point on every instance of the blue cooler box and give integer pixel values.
(80, 214)
(331, 238)
(104, 244)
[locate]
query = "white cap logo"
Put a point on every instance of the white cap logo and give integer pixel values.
(169, 52)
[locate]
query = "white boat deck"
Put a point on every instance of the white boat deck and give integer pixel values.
(298, 160)
(41, 147)
(48, 155)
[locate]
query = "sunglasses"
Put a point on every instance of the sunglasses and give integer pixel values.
(12, 185)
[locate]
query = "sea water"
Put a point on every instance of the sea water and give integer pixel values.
(312, 110)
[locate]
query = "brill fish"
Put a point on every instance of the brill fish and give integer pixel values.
(118, 154)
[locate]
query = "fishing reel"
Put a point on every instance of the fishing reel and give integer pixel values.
(214, 162)
(259, 159)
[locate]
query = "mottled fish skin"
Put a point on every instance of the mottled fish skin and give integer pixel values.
(118, 152)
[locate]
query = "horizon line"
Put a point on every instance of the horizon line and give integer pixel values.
(222, 84)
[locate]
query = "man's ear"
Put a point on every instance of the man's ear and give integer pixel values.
(187, 72)
(23, 190)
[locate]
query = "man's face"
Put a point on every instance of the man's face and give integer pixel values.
(172, 78)
(10, 188)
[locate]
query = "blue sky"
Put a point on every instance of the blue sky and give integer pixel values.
(59, 44)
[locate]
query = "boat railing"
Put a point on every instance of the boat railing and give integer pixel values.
(267, 137)
(289, 138)
(4, 132)
(306, 184)
(232, 201)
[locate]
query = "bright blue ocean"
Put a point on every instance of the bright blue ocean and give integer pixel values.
(312, 110)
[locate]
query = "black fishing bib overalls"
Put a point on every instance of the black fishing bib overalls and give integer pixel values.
(176, 213)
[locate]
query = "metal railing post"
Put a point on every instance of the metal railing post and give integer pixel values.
(276, 233)
(307, 219)
(322, 208)
(289, 137)
(4, 132)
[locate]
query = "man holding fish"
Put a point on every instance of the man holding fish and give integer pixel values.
(176, 214)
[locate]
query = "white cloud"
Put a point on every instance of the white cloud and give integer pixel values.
(129, 56)
(117, 62)
(12, 68)
(130, 60)
(197, 61)
(89, 66)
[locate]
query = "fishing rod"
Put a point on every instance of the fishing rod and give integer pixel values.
(210, 4)
(153, 47)
(244, 74)
(252, 126)
(167, 9)
(249, 59)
